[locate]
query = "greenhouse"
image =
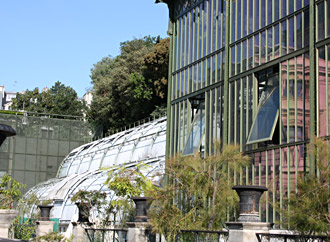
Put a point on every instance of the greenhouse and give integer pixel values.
(84, 167)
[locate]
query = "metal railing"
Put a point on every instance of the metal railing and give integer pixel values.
(106, 235)
(265, 237)
(202, 236)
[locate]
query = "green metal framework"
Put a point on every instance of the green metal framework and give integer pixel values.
(219, 48)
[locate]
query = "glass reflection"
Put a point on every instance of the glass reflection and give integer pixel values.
(322, 92)
(197, 130)
(266, 119)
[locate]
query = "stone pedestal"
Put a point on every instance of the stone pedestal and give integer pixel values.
(137, 231)
(44, 227)
(78, 232)
(246, 231)
(6, 218)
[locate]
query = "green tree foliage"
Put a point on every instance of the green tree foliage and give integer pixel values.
(51, 237)
(130, 86)
(199, 192)
(308, 210)
(59, 99)
(10, 191)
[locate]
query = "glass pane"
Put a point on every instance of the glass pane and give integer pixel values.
(197, 131)
(322, 92)
(320, 21)
(266, 119)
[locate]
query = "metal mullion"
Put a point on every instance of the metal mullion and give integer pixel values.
(217, 26)
(208, 113)
(248, 19)
(253, 53)
(230, 21)
(317, 95)
(295, 32)
(216, 98)
(253, 25)
(235, 120)
(267, 178)
(259, 170)
(253, 171)
(235, 113)
(176, 46)
(229, 114)
(295, 101)
(181, 43)
(266, 24)
(242, 20)
(274, 188)
(185, 40)
(289, 171)
(210, 25)
(327, 85)
(190, 49)
(266, 33)
(241, 116)
(288, 101)
(280, 103)
(325, 19)
(247, 104)
(287, 34)
(183, 124)
(236, 21)
(203, 18)
(193, 40)
(312, 76)
(281, 184)
(259, 27)
(296, 169)
(175, 129)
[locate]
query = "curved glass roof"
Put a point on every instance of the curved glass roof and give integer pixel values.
(81, 169)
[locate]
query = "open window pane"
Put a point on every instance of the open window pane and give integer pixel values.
(268, 111)
(196, 132)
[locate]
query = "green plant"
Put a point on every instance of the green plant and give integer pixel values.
(51, 237)
(128, 183)
(198, 193)
(46, 202)
(307, 211)
(24, 230)
(10, 191)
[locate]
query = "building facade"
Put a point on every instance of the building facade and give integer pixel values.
(255, 73)
(41, 142)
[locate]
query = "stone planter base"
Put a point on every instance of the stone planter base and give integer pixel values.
(246, 231)
(6, 219)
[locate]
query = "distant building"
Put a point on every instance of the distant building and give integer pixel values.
(6, 98)
(88, 97)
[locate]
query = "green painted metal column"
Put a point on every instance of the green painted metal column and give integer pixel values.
(312, 80)
(226, 77)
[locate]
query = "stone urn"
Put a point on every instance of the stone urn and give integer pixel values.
(45, 212)
(142, 205)
(84, 210)
(6, 219)
(249, 197)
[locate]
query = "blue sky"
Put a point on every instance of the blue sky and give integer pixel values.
(44, 41)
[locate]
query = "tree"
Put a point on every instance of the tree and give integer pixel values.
(125, 89)
(308, 210)
(198, 195)
(59, 99)
(10, 191)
